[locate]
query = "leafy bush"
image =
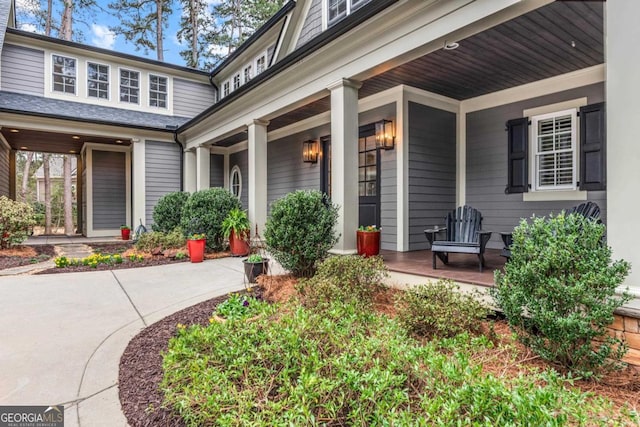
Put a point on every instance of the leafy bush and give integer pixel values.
(204, 212)
(15, 220)
(558, 291)
(157, 239)
(240, 307)
(302, 367)
(299, 232)
(168, 211)
(439, 309)
(350, 279)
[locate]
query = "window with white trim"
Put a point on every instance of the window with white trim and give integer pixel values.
(338, 9)
(554, 150)
(247, 73)
(97, 81)
(261, 63)
(129, 86)
(235, 181)
(64, 74)
(157, 91)
(236, 81)
(225, 88)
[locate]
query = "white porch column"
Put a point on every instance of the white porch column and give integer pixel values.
(623, 128)
(344, 162)
(139, 183)
(203, 163)
(257, 134)
(189, 172)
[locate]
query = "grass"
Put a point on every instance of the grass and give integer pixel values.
(346, 366)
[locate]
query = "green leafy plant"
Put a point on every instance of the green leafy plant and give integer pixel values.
(204, 211)
(236, 221)
(61, 262)
(181, 255)
(239, 307)
(369, 228)
(351, 279)
(197, 236)
(16, 219)
(439, 309)
(558, 292)
(156, 239)
(167, 212)
(300, 231)
(125, 227)
(255, 258)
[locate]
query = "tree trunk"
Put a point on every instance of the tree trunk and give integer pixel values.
(193, 16)
(66, 27)
(25, 177)
(47, 194)
(47, 27)
(68, 197)
(159, 36)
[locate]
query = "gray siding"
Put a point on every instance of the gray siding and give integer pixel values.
(109, 190)
(487, 164)
(216, 171)
(191, 98)
(432, 170)
(161, 172)
(287, 171)
(4, 171)
(241, 159)
(312, 24)
(22, 70)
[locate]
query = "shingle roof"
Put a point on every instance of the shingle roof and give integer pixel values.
(78, 111)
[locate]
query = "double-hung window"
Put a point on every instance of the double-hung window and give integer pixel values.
(225, 88)
(261, 63)
(555, 150)
(157, 91)
(338, 9)
(64, 74)
(97, 81)
(129, 86)
(236, 81)
(247, 73)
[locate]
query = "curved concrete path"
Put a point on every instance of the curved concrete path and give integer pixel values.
(62, 335)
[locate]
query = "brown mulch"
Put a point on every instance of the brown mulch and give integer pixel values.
(23, 255)
(141, 363)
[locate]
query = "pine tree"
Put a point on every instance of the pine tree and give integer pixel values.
(193, 24)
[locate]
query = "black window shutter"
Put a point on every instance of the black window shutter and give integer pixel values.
(592, 147)
(518, 155)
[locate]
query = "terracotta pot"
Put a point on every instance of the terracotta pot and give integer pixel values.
(125, 233)
(368, 243)
(196, 249)
(239, 244)
(253, 269)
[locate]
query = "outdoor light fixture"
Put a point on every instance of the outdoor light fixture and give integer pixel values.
(310, 151)
(75, 137)
(119, 141)
(451, 45)
(14, 130)
(385, 137)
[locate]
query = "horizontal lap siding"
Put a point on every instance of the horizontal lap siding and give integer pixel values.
(287, 171)
(4, 171)
(216, 171)
(191, 98)
(22, 70)
(487, 165)
(162, 173)
(109, 190)
(241, 159)
(388, 200)
(432, 170)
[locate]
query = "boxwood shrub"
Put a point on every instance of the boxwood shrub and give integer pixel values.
(168, 211)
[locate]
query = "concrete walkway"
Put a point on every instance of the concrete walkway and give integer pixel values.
(62, 335)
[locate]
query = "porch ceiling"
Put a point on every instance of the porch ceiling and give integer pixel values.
(555, 39)
(51, 142)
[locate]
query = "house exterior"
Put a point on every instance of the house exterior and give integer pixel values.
(516, 107)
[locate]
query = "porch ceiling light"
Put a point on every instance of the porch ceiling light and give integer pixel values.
(14, 130)
(118, 141)
(451, 45)
(24, 148)
(75, 137)
(385, 136)
(310, 151)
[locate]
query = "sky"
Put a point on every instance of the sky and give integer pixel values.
(96, 32)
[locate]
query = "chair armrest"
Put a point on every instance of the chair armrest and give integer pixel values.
(507, 238)
(485, 236)
(431, 233)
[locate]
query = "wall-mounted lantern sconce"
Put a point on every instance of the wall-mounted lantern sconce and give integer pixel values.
(310, 151)
(385, 137)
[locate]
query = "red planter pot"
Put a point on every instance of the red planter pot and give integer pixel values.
(239, 245)
(196, 249)
(368, 243)
(125, 233)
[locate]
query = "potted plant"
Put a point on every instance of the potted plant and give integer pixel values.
(195, 245)
(125, 232)
(235, 227)
(254, 266)
(368, 240)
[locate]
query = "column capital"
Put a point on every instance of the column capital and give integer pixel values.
(134, 140)
(345, 83)
(259, 122)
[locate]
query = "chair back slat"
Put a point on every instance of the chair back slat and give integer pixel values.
(589, 210)
(463, 224)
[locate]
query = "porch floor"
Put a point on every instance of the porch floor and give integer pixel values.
(461, 268)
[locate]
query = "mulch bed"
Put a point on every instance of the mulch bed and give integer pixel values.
(24, 255)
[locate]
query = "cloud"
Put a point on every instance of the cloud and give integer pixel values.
(174, 39)
(102, 36)
(28, 27)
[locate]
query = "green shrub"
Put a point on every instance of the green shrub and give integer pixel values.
(558, 292)
(16, 219)
(350, 279)
(204, 212)
(168, 211)
(299, 232)
(157, 239)
(240, 307)
(439, 309)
